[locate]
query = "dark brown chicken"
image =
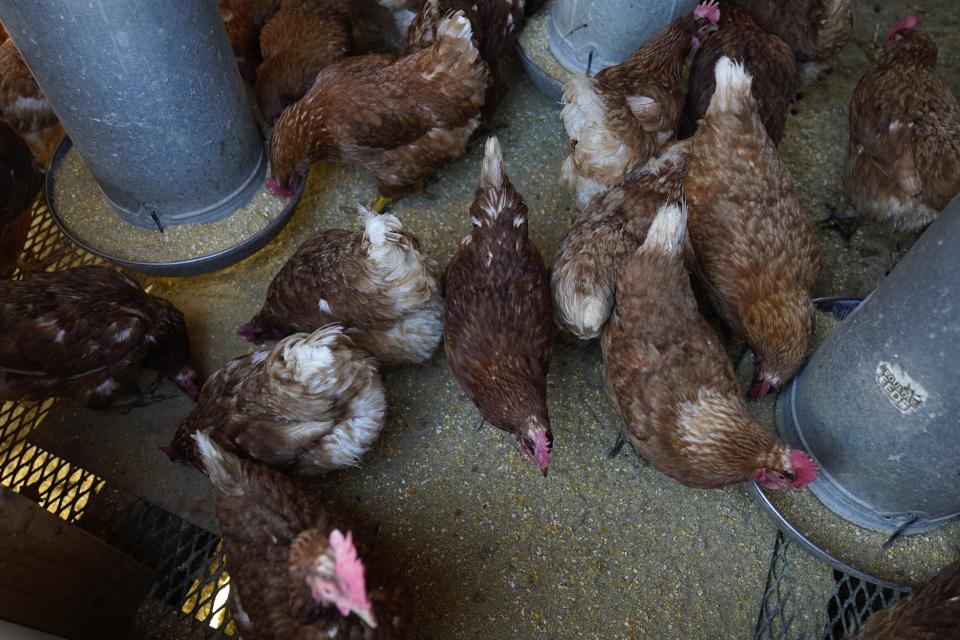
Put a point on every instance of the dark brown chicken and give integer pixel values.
(84, 334)
(311, 404)
(672, 383)
(294, 573)
(242, 33)
(765, 56)
(375, 282)
(902, 163)
(24, 107)
(498, 320)
(20, 180)
(816, 30)
(297, 43)
(496, 26)
(755, 251)
(402, 119)
(621, 117)
(583, 275)
(931, 613)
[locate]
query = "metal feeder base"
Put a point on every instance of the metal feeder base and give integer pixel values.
(183, 267)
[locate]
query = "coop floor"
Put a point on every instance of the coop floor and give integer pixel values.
(487, 547)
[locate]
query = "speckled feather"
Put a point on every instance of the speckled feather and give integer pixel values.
(20, 180)
(272, 531)
(24, 106)
(766, 57)
(902, 166)
(755, 250)
(930, 613)
(83, 333)
(297, 43)
(498, 316)
(496, 27)
(584, 271)
(660, 354)
(389, 304)
(313, 403)
(816, 30)
(402, 119)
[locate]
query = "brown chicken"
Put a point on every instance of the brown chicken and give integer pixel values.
(402, 119)
(375, 282)
(765, 56)
(498, 320)
(294, 573)
(496, 25)
(672, 383)
(313, 403)
(20, 181)
(84, 333)
(902, 163)
(931, 613)
(621, 117)
(242, 33)
(816, 30)
(23, 105)
(755, 251)
(257, 12)
(298, 42)
(583, 275)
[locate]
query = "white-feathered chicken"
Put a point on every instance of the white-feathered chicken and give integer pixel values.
(375, 282)
(313, 403)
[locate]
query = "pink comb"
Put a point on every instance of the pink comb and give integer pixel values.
(350, 572)
(908, 21)
(804, 468)
(277, 189)
(709, 10)
(247, 332)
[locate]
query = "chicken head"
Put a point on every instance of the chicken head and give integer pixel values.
(797, 471)
(336, 575)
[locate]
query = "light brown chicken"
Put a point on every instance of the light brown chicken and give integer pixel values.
(902, 163)
(375, 282)
(583, 275)
(402, 119)
(313, 403)
(20, 181)
(765, 56)
(298, 42)
(930, 613)
(498, 325)
(621, 117)
(294, 573)
(23, 105)
(755, 251)
(816, 30)
(672, 383)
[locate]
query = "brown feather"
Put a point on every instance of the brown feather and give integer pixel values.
(20, 181)
(24, 107)
(83, 333)
(901, 163)
(498, 317)
(816, 30)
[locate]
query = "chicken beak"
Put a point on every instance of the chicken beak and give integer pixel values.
(367, 616)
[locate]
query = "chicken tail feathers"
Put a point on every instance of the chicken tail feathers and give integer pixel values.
(668, 229)
(733, 87)
(225, 469)
(379, 229)
(496, 200)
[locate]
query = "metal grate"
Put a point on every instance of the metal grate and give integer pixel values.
(787, 614)
(189, 598)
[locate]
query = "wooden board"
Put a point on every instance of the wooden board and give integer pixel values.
(59, 579)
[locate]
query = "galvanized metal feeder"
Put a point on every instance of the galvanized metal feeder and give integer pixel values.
(153, 102)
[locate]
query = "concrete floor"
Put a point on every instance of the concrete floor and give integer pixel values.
(487, 547)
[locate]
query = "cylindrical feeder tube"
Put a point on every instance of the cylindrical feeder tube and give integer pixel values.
(878, 404)
(152, 99)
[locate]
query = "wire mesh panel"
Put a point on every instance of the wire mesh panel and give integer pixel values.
(833, 608)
